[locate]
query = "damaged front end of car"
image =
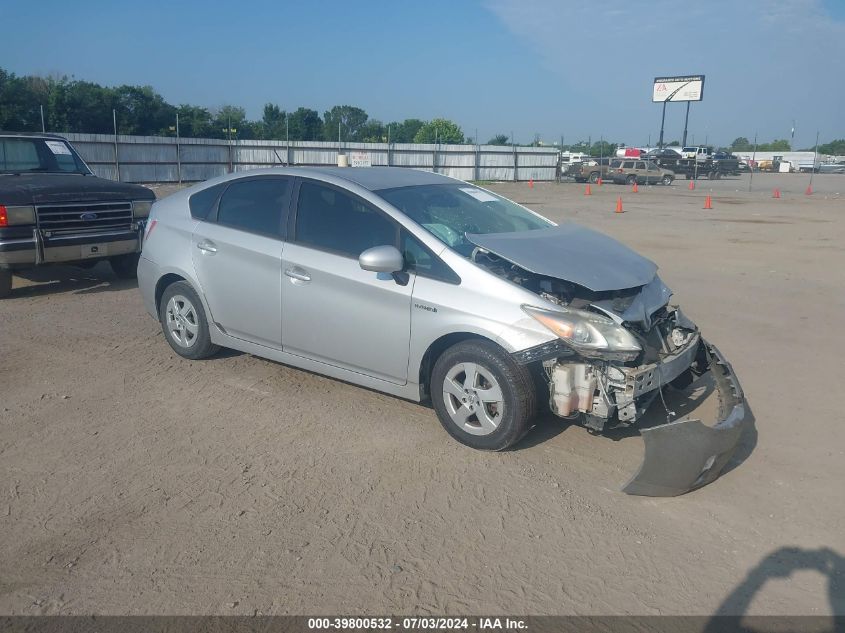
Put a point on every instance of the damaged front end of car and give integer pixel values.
(619, 344)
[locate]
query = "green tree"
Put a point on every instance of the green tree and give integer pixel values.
(440, 131)
(674, 144)
(305, 125)
(834, 148)
(741, 144)
(779, 145)
(142, 110)
(405, 131)
(273, 122)
(349, 120)
(499, 139)
(603, 148)
(194, 121)
(373, 131)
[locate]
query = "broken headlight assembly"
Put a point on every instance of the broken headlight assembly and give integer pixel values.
(590, 334)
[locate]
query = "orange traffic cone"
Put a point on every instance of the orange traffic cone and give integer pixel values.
(588, 191)
(598, 182)
(708, 202)
(619, 205)
(691, 185)
(635, 188)
(809, 191)
(776, 193)
(531, 183)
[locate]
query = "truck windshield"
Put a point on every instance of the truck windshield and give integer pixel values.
(39, 155)
(449, 212)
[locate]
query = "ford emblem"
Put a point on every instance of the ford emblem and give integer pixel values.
(88, 217)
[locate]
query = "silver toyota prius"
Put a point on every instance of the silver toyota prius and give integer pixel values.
(440, 291)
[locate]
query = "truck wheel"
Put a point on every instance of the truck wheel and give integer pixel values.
(125, 266)
(667, 180)
(184, 323)
(481, 396)
(5, 283)
(711, 175)
(631, 179)
(594, 177)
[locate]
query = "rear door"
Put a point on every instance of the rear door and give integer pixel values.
(237, 255)
(332, 310)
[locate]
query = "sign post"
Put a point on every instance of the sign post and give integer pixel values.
(687, 88)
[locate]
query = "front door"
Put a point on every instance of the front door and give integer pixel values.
(332, 310)
(237, 255)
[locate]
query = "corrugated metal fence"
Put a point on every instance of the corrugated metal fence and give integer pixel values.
(166, 159)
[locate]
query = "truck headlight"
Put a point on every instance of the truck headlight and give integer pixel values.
(141, 208)
(588, 333)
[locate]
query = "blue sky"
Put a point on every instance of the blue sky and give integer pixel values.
(552, 67)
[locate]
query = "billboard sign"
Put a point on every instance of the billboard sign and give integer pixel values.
(689, 88)
(360, 159)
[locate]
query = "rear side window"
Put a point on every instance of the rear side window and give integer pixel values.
(203, 202)
(329, 219)
(629, 164)
(254, 205)
(640, 165)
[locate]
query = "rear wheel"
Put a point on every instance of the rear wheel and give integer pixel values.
(482, 397)
(594, 177)
(125, 266)
(184, 323)
(5, 283)
(631, 179)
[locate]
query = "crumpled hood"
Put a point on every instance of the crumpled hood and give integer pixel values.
(40, 188)
(572, 253)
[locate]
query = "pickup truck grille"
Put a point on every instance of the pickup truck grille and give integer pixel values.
(84, 217)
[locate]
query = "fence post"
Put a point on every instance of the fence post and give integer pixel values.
(116, 160)
(178, 157)
(477, 170)
(515, 163)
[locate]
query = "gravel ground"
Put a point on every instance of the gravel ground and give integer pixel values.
(136, 482)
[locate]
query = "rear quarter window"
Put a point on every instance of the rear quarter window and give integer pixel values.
(202, 202)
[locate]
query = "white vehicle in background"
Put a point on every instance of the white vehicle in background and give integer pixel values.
(700, 154)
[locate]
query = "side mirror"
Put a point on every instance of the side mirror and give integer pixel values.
(382, 259)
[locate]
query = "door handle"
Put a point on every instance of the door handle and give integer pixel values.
(207, 247)
(297, 274)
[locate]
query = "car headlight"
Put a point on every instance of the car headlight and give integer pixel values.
(588, 333)
(141, 208)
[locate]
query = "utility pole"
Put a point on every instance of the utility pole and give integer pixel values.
(178, 157)
(662, 123)
(116, 160)
(753, 162)
(43, 129)
(815, 158)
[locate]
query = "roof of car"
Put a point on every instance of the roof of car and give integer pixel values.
(379, 178)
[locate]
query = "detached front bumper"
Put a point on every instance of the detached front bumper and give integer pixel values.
(37, 248)
(685, 455)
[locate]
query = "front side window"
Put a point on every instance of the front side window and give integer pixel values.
(451, 211)
(329, 219)
(255, 205)
(423, 262)
(629, 164)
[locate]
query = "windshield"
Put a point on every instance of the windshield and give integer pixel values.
(451, 211)
(19, 155)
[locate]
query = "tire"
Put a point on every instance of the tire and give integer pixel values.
(667, 180)
(184, 323)
(630, 180)
(125, 266)
(594, 177)
(711, 175)
(484, 424)
(5, 283)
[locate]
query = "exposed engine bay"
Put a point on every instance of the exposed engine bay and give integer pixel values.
(618, 344)
(606, 393)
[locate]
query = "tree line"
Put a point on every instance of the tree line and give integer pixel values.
(72, 105)
(742, 144)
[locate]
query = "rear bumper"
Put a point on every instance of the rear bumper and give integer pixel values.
(40, 249)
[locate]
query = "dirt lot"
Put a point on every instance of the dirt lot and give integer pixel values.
(134, 481)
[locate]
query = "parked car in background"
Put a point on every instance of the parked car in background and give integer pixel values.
(431, 289)
(622, 171)
(832, 168)
(589, 170)
(53, 210)
(665, 157)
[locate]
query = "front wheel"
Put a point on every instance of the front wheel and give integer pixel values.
(594, 177)
(184, 323)
(125, 266)
(5, 283)
(631, 179)
(667, 180)
(482, 397)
